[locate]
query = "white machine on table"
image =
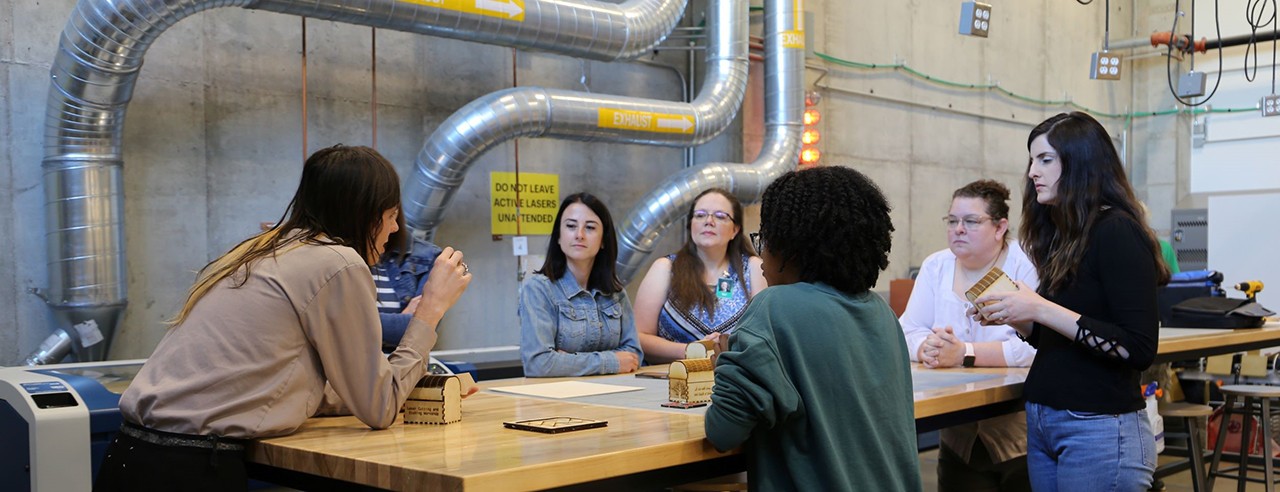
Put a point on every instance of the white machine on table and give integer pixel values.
(56, 421)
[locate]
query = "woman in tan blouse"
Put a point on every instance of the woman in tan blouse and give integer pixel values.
(281, 328)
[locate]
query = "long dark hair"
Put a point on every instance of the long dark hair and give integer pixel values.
(603, 276)
(831, 224)
(342, 195)
(687, 288)
(1055, 236)
(994, 194)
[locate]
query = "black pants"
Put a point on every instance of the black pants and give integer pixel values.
(135, 465)
(980, 474)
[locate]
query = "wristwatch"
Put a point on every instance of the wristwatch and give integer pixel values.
(969, 357)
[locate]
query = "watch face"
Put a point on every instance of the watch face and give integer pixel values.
(969, 360)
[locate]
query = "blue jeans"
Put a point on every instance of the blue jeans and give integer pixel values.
(1081, 451)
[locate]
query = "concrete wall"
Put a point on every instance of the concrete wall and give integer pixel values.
(920, 140)
(213, 141)
(213, 146)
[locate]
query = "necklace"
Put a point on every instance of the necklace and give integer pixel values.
(970, 279)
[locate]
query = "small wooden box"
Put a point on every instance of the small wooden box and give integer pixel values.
(994, 281)
(691, 380)
(701, 349)
(437, 399)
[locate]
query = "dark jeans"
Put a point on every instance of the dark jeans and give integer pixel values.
(980, 474)
(135, 465)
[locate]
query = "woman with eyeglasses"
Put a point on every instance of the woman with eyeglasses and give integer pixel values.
(279, 329)
(575, 318)
(816, 386)
(700, 291)
(1093, 317)
(989, 454)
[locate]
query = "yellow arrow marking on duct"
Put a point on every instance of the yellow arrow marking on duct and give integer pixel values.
(624, 119)
(795, 37)
(502, 9)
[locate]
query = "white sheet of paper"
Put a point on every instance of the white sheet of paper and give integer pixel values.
(566, 389)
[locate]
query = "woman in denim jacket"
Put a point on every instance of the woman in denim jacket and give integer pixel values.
(404, 270)
(575, 319)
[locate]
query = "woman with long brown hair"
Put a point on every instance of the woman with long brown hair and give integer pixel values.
(279, 329)
(699, 292)
(1093, 318)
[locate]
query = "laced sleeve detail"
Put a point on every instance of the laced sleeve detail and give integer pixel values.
(1105, 347)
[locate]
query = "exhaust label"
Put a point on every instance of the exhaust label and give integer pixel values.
(502, 9)
(645, 121)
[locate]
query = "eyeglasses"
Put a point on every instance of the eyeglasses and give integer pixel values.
(720, 216)
(970, 221)
(757, 242)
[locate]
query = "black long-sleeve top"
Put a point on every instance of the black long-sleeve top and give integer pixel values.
(1114, 291)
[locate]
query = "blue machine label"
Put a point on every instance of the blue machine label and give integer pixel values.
(45, 387)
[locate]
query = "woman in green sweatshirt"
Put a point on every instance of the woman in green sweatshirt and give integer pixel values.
(816, 383)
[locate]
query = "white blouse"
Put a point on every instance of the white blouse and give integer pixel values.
(934, 303)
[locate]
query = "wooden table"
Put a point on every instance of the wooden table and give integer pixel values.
(638, 446)
(1193, 343)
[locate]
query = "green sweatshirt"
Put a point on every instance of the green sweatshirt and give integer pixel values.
(817, 385)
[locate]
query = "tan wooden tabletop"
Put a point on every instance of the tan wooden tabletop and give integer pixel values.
(478, 453)
(1191, 343)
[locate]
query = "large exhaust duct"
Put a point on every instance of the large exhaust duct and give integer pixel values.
(540, 112)
(97, 64)
(784, 106)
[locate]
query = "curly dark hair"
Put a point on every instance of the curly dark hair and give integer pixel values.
(831, 224)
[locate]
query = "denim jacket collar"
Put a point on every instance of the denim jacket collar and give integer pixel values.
(569, 286)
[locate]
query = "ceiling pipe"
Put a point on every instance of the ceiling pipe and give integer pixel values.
(540, 112)
(97, 64)
(667, 204)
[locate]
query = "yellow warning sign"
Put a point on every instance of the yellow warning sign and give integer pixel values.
(502, 9)
(526, 208)
(645, 121)
(793, 39)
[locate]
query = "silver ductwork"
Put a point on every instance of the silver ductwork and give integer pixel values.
(579, 28)
(97, 64)
(784, 107)
(540, 112)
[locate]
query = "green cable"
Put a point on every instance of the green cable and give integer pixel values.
(1008, 93)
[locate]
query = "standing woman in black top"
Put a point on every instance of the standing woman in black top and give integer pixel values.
(1093, 318)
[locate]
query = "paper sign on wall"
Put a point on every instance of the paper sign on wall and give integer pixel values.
(533, 212)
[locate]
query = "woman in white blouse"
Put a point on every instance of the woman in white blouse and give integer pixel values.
(990, 454)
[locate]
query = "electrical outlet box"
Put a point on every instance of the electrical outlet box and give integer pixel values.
(1270, 105)
(1191, 84)
(975, 18)
(1105, 66)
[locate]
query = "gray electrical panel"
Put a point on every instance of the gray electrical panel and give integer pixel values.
(1190, 238)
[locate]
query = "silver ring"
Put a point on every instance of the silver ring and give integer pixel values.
(465, 269)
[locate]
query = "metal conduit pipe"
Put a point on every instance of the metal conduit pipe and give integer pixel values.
(589, 29)
(490, 120)
(99, 58)
(784, 106)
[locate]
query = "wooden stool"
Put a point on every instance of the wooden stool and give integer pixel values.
(1189, 413)
(1260, 395)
